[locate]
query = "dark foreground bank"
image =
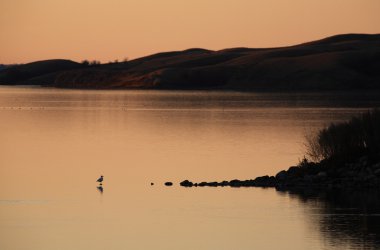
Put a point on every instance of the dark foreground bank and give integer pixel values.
(359, 174)
(347, 155)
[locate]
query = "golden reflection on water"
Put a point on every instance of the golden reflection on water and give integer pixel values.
(54, 144)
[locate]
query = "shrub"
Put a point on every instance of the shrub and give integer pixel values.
(85, 62)
(94, 63)
(347, 140)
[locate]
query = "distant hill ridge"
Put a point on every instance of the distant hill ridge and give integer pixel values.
(341, 62)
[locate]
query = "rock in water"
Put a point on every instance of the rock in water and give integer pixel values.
(186, 183)
(281, 175)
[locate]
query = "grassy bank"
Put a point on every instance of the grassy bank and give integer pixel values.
(344, 155)
(347, 141)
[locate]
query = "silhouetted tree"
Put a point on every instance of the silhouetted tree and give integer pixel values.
(94, 62)
(85, 62)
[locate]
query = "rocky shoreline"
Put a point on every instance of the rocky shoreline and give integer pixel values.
(362, 173)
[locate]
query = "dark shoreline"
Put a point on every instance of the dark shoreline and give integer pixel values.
(373, 91)
(346, 154)
(360, 174)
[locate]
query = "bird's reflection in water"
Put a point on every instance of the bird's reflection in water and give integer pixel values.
(100, 189)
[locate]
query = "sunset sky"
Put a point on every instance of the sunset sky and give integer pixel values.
(106, 30)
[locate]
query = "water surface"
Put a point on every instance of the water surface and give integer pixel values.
(55, 143)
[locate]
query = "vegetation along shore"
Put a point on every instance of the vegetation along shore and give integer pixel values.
(342, 155)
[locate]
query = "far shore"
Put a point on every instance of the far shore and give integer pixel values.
(340, 62)
(210, 90)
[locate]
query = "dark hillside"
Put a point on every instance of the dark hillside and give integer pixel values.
(342, 62)
(20, 73)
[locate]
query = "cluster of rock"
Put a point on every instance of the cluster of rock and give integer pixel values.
(360, 174)
(263, 181)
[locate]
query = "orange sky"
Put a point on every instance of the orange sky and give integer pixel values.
(114, 29)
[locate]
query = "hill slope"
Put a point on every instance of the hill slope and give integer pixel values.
(343, 62)
(22, 74)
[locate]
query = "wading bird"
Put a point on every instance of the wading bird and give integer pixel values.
(100, 180)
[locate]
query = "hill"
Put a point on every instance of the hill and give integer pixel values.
(342, 62)
(25, 73)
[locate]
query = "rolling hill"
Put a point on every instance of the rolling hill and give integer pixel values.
(342, 62)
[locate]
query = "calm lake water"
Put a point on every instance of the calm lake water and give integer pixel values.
(55, 143)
